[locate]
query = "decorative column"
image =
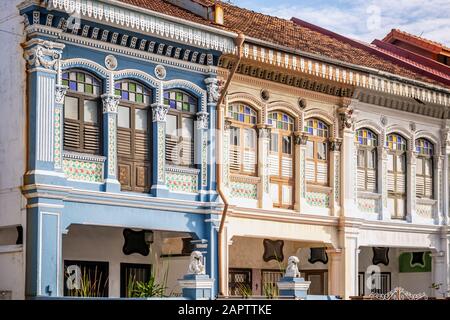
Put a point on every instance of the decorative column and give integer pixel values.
(60, 94)
(300, 170)
(43, 59)
(264, 198)
(159, 187)
(382, 180)
(110, 105)
(226, 154)
(350, 261)
(445, 138)
(411, 183)
(335, 272)
(349, 162)
(335, 173)
(437, 187)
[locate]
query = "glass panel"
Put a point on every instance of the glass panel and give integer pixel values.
(123, 117)
(287, 145)
(310, 150)
(390, 163)
(401, 165)
(419, 166)
(371, 162)
(274, 192)
(428, 167)
(71, 108)
(317, 128)
(281, 121)
(286, 194)
(234, 136)
(242, 113)
(141, 119)
(361, 158)
(274, 142)
(249, 138)
(322, 151)
(188, 128)
(180, 100)
(171, 125)
(90, 111)
(366, 137)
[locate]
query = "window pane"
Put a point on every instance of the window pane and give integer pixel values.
(234, 136)
(274, 193)
(419, 166)
(90, 111)
(171, 125)
(287, 145)
(141, 119)
(310, 150)
(188, 128)
(361, 158)
(123, 117)
(274, 142)
(371, 159)
(286, 194)
(390, 164)
(71, 108)
(322, 151)
(249, 138)
(401, 163)
(428, 167)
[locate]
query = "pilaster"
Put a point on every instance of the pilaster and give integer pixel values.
(264, 198)
(300, 170)
(110, 105)
(159, 113)
(411, 185)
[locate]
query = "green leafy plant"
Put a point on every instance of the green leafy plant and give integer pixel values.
(270, 290)
(151, 288)
(90, 286)
(244, 290)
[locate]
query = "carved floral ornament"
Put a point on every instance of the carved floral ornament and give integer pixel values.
(110, 103)
(346, 117)
(202, 120)
(214, 87)
(301, 138)
(159, 112)
(60, 93)
(44, 54)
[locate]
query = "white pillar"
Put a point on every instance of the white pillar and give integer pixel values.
(335, 174)
(300, 169)
(411, 183)
(264, 198)
(335, 272)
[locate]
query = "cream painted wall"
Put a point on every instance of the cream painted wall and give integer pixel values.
(415, 282)
(94, 243)
(12, 144)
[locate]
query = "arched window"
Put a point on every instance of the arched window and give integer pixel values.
(180, 127)
(424, 168)
(281, 159)
(133, 135)
(243, 142)
(396, 180)
(317, 152)
(367, 160)
(82, 116)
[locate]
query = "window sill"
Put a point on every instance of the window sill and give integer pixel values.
(426, 201)
(369, 195)
(244, 178)
(181, 169)
(318, 188)
(83, 156)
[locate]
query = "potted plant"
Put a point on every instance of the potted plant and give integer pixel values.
(441, 291)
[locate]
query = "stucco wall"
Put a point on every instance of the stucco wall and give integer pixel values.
(12, 144)
(415, 282)
(94, 243)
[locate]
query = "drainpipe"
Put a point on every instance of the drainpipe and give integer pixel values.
(223, 287)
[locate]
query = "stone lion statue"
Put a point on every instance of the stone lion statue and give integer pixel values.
(196, 263)
(292, 268)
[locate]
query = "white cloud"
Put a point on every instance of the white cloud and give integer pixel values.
(366, 20)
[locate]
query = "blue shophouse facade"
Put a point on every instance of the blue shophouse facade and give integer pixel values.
(109, 168)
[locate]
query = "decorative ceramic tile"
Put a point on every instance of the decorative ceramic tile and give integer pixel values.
(424, 210)
(176, 181)
(112, 144)
(161, 151)
(204, 159)
(367, 205)
(318, 199)
(244, 190)
(83, 170)
(57, 132)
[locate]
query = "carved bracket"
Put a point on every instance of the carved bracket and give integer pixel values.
(159, 112)
(110, 103)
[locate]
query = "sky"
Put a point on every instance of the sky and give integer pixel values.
(364, 19)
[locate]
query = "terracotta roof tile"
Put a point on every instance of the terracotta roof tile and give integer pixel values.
(285, 33)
